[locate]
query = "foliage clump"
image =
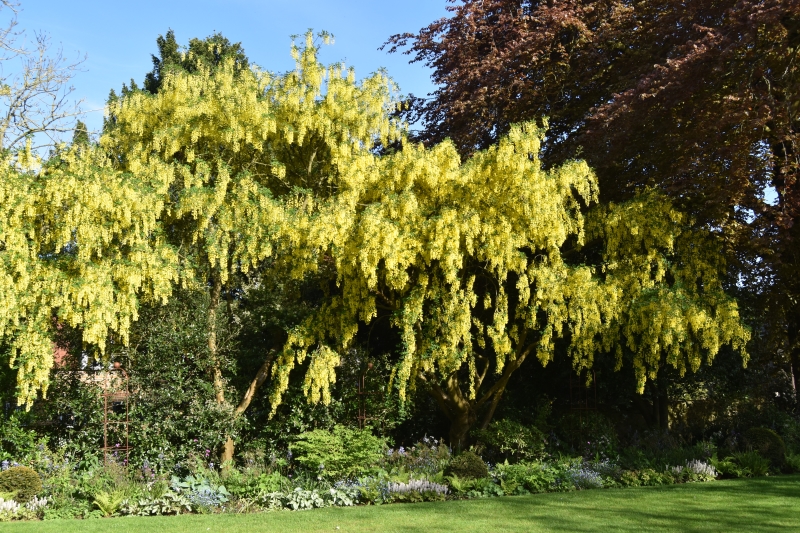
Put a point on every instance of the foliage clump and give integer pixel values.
(768, 444)
(468, 465)
(511, 440)
(22, 481)
(340, 453)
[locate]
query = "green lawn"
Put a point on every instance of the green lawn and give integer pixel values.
(764, 504)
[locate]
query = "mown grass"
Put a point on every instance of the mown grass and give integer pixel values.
(752, 505)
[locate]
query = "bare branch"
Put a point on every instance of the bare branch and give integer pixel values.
(35, 90)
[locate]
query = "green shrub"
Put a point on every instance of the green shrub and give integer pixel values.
(729, 467)
(752, 463)
(793, 462)
(340, 453)
(467, 465)
(23, 481)
(508, 439)
(768, 444)
(16, 441)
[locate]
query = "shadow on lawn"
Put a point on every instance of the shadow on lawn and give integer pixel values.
(743, 505)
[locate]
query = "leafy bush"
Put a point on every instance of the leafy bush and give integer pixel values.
(752, 463)
(200, 491)
(22, 481)
(768, 444)
(508, 439)
(167, 503)
(793, 462)
(537, 477)
(15, 441)
(340, 453)
(728, 467)
(467, 465)
(608, 469)
(301, 499)
(255, 486)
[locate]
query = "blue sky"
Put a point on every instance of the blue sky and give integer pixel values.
(119, 37)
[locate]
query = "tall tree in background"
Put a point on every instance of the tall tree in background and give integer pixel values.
(698, 99)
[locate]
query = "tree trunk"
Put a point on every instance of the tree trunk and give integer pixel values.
(663, 404)
(229, 447)
(457, 408)
(793, 338)
(459, 430)
(216, 368)
(226, 457)
(461, 411)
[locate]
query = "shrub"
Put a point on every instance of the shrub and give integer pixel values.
(508, 439)
(467, 465)
(340, 453)
(752, 463)
(768, 444)
(23, 481)
(16, 441)
(728, 467)
(793, 462)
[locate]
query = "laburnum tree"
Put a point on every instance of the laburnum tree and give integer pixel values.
(470, 265)
(475, 266)
(248, 156)
(697, 99)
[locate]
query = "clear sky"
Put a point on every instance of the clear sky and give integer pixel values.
(118, 38)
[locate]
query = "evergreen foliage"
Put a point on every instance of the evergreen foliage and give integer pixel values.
(467, 465)
(768, 444)
(339, 454)
(22, 481)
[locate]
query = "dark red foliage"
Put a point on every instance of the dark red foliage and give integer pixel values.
(699, 98)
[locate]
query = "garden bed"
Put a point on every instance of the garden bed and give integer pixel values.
(755, 505)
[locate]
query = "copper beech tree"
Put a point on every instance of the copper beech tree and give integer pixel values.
(698, 99)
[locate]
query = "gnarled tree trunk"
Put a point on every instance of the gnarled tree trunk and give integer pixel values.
(464, 412)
